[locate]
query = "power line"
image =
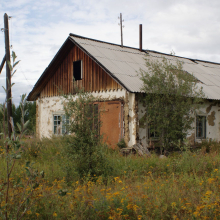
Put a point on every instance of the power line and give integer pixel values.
(19, 66)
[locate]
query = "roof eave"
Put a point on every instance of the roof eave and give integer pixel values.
(32, 96)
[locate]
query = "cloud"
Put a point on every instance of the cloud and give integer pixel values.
(39, 28)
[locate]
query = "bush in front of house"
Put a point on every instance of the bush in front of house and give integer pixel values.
(85, 149)
(170, 97)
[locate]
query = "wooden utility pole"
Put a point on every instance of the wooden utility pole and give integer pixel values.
(121, 26)
(8, 74)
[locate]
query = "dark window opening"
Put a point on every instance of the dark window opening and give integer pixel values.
(152, 133)
(77, 70)
(201, 127)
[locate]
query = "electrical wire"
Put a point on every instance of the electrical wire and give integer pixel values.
(19, 67)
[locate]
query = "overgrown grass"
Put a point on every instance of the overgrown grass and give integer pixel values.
(182, 186)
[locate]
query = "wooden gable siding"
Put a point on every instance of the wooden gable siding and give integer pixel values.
(94, 77)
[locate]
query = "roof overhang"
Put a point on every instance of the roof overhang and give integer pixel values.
(50, 70)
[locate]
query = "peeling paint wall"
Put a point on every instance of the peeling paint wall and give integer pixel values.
(142, 131)
(210, 109)
(211, 118)
(48, 106)
(37, 119)
(132, 119)
(126, 118)
(134, 130)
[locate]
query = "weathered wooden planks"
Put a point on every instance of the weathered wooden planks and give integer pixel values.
(94, 77)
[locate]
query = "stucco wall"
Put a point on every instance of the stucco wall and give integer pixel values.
(48, 106)
(210, 109)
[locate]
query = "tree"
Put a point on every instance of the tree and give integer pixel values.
(31, 116)
(171, 96)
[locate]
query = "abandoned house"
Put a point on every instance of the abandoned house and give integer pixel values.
(110, 73)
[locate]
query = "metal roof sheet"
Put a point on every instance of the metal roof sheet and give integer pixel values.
(125, 63)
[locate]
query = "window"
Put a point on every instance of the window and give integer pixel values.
(60, 123)
(77, 70)
(151, 131)
(200, 126)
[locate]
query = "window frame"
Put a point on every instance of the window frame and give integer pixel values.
(62, 120)
(155, 137)
(204, 127)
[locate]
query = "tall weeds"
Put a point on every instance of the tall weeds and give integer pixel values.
(183, 186)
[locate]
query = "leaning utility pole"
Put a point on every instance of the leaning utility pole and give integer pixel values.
(121, 26)
(8, 74)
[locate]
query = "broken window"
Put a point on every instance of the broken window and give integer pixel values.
(60, 124)
(200, 126)
(77, 70)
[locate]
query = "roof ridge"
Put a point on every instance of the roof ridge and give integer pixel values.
(194, 60)
(79, 36)
(144, 50)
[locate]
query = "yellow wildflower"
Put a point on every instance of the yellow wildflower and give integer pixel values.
(29, 212)
(139, 217)
(173, 204)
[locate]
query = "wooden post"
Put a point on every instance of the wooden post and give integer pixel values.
(8, 74)
(140, 37)
(121, 29)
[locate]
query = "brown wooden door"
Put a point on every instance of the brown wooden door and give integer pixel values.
(111, 114)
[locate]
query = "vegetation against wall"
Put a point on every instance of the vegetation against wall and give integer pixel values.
(85, 146)
(171, 96)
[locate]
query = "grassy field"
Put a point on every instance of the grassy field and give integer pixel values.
(183, 186)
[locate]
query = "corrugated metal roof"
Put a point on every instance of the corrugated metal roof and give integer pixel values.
(125, 63)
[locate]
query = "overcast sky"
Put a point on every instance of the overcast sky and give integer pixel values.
(39, 28)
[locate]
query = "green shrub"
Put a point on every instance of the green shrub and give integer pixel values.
(121, 144)
(85, 149)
